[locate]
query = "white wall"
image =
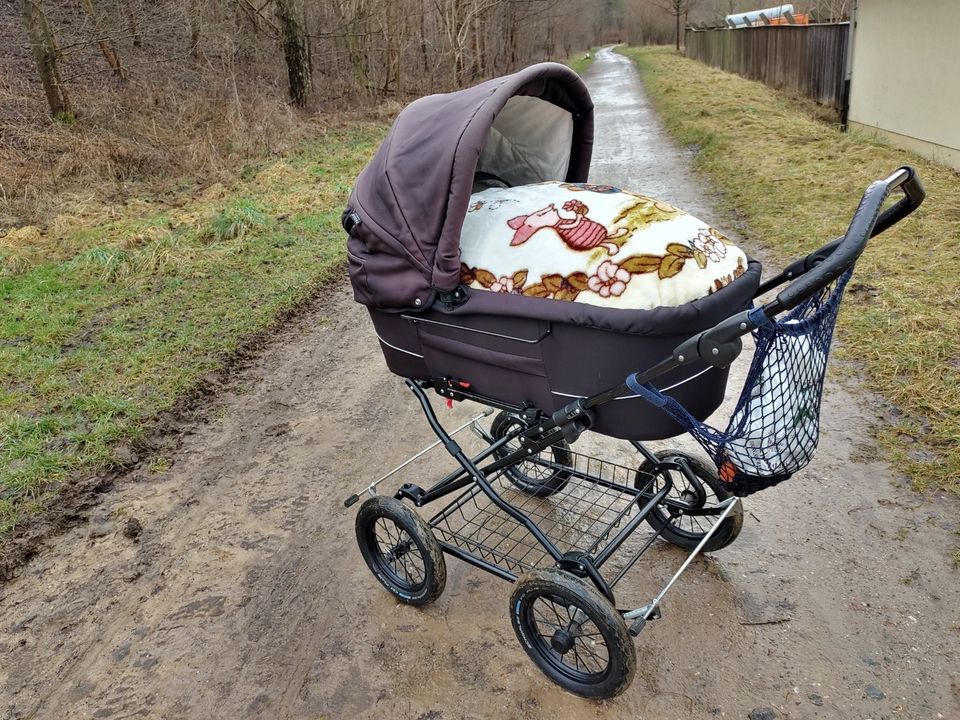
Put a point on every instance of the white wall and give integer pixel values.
(905, 80)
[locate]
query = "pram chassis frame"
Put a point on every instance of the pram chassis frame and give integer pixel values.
(585, 562)
(536, 432)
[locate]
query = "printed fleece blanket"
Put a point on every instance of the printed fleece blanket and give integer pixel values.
(594, 244)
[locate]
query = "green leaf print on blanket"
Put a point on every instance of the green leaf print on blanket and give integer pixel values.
(642, 212)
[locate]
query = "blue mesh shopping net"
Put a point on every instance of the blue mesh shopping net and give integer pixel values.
(774, 429)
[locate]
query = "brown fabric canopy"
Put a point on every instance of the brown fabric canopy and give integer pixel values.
(407, 208)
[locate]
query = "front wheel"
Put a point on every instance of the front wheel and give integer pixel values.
(573, 633)
(685, 530)
(401, 550)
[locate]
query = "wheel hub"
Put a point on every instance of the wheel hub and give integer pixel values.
(562, 641)
(398, 551)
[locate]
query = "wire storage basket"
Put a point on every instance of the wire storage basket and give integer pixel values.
(589, 500)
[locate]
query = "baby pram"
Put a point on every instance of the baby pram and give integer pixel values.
(527, 507)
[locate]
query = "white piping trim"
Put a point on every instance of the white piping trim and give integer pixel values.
(397, 348)
(579, 397)
(414, 319)
(633, 397)
(684, 382)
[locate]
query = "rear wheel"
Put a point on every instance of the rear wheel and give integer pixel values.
(687, 531)
(401, 550)
(573, 633)
(528, 475)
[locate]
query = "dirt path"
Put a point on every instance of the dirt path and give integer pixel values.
(245, 596)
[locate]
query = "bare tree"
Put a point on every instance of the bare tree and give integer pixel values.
(833, 10)
(296, 52)
(195, 23)
(47, 56)
(645, 23)
(678, 9)
(323, 51)
(133, 23)
(109, 54)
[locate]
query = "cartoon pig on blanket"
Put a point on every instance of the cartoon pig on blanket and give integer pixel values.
(578, 232)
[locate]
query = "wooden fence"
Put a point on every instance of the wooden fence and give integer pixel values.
(808, 60)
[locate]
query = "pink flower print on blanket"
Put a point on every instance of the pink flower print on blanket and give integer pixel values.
(610, 280)
(505, 284)
(575, 206)
(707, 245)
(578, 232)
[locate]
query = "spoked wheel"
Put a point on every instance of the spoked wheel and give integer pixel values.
(687, 531)
(529, 476)
(401, 550)
(573, 633)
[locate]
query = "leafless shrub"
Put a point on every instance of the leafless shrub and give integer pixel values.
(100, 97)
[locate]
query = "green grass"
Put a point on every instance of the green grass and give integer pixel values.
(104, 326)
(580, 61)
(796, 181)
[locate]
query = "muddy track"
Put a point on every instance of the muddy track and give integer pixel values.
(244, 596)
(162, 437)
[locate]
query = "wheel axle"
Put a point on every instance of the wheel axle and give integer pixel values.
(562, 641)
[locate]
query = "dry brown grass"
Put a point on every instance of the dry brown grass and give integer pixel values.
(143, 143)
(106, 324)
(145, 137)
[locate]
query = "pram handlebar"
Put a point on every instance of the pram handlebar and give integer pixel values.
(825, 265)
(721, 344)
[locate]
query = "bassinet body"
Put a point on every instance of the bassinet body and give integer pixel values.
(405, 217)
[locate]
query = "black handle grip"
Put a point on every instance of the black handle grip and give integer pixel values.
(868, 221)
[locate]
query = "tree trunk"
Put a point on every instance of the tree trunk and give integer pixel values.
(133, 24)
(391, 47)
(678, 30)
(109, 54)
(309, 47)
(46, 55)
(195, 29)
(425, 62)
(477, 70)
(352, 19)
(295, 53)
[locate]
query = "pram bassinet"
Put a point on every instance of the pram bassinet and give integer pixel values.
(405, 218)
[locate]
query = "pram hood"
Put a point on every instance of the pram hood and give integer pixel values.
(411, 200)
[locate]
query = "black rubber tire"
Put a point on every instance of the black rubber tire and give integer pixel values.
(520, 475)
(409, 587)
(673, 531)
(561, 589)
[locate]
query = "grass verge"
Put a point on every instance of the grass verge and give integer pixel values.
(580, 61)
(796, 181)
(102, 327)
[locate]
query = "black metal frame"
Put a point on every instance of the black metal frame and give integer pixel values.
(633, 507)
